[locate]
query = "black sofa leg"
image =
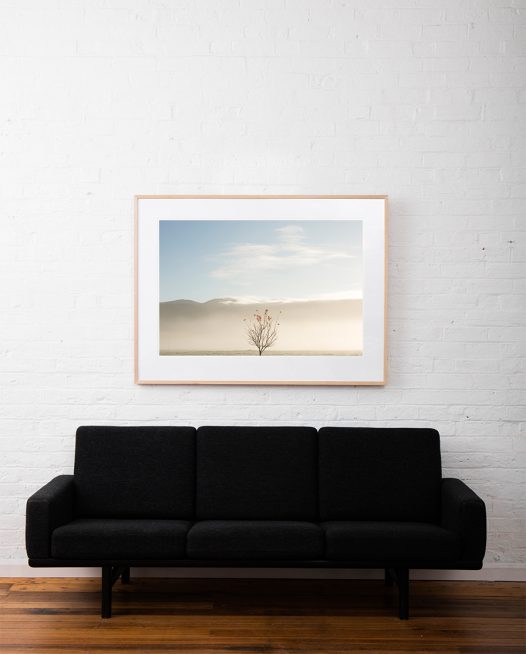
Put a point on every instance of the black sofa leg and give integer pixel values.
(388, 579)
(107, 583)
(125, 576)
(402, 578)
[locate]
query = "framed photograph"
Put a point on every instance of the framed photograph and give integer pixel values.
(277, 290)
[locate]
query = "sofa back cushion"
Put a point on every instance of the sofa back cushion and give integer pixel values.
(379, 474)
(258, 473)
(135, 472)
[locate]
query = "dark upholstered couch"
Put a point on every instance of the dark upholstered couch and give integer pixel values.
(256, 497)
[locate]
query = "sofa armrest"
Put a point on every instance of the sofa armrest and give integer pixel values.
(464, 513)
(47, 509)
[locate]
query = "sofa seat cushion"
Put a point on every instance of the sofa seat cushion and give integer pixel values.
(107, 538)
(255, 539)
(389, 541)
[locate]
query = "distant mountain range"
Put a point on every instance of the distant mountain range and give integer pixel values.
(219, 325)
(216, 300)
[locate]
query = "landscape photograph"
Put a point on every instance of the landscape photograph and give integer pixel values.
(260, 288)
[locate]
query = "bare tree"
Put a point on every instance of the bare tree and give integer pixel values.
(262, 332)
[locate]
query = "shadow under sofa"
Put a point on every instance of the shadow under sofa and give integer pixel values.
(278, 497)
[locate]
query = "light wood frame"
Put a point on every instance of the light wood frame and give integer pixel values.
(139, 381)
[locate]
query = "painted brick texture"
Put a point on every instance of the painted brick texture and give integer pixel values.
(424, 101)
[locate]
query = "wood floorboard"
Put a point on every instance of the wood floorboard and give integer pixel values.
(200, 616)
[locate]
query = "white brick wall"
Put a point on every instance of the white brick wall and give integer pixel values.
(103, 99)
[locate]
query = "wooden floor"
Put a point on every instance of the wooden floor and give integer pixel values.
(261, 616)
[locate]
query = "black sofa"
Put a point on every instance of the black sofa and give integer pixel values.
(256, 497)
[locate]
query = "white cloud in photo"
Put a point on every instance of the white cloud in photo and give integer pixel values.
(289, 251)
(291, 234)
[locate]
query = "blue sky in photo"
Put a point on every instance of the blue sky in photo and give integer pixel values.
(251, 260)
